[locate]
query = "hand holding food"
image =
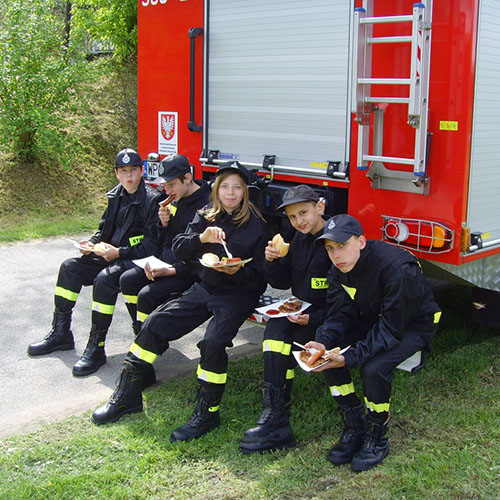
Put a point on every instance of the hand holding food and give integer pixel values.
(106, 251)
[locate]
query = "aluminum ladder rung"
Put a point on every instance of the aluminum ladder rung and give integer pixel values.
(384, 81)
(389, 100)
(389, 159)
(389, 39)
(386, 19)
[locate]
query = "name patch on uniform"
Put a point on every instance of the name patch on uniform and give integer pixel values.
(319, 283)
(134, 240)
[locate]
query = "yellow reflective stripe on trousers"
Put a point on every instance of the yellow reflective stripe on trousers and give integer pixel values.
(141, 316)
(278, 346)
(342, 390)
(139, 352)
(212, 377)
(66, 294)
(102, 308)
(131, 299)
(214, 408)
(377, 407)
(437, 316)
(290, 374)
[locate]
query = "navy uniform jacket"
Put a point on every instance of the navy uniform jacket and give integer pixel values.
(387, 294)
(182, 213)
(245, 241)
(304, 269)
(139, 234)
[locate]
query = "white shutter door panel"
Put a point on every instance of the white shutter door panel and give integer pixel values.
(277, 80)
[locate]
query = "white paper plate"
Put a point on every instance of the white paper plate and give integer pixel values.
(275, 306)
(306, 368)
(232, 264)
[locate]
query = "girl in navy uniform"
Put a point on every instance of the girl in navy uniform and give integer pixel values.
(304, 270)
(227, 295)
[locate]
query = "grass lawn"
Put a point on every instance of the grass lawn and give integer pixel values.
(444, 436)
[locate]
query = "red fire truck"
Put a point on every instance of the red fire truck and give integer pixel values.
(389, 108)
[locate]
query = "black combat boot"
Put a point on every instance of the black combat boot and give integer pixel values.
(352, 435)
(60, 337)
(273, 430)
(94, 356)
(204, 418)
(375, 446)
(149, 377)
(127, 397)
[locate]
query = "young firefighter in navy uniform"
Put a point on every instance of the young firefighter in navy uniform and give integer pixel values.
(304, 269)
(381, 305)
(145, 289)
(127, 231)
(225, 295)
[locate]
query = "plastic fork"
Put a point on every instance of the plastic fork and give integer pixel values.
(228, 253)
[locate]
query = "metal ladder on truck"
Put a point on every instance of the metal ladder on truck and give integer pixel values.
(364, 104)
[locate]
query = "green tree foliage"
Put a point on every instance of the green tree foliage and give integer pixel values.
(110, 23)
(38, 77)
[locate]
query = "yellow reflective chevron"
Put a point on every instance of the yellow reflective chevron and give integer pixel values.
(131, 299)
(66, 294)
(290, 374)
(102, 308)
(377, 407)
(173, 210)
(342, 390)
(134, 240)
(139, 352)
(141, 316)
(350, 291)
(437, 316)
(278, 346)
(212, 377)
(319, 283)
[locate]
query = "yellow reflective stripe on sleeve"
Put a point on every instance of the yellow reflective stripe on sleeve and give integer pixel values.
(173, 209)
(131, 299)
(212, 377)
(139, 352)
(350, 291)
(277, 346)
(66, 294)
(437, 316)
(377, 407)
(342, 390)
(141, 316)
(134, 240)
(319, 283)
(102, 308)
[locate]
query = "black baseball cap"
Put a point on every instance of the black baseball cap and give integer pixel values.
(237, 168)
(127, 157)
(340, 228)
(299, 193)
(171, 167)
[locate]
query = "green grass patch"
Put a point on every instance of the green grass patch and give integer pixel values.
(444, 436)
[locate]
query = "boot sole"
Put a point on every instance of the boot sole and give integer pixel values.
(361, 468)
(274, 447)
(136, 409)
(84, 374)
(59, 348)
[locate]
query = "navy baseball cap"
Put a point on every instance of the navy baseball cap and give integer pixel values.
(127, 157)
(340, 228)
(237, 168)
(299, 193)
(171, 167)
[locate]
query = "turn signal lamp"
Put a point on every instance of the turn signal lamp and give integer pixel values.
(417, 234)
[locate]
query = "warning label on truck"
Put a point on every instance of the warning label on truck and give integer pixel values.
(167, 132)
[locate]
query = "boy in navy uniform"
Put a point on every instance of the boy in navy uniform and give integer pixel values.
(381, 305)
(304, 270)
(127, 231)
(145, 289)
